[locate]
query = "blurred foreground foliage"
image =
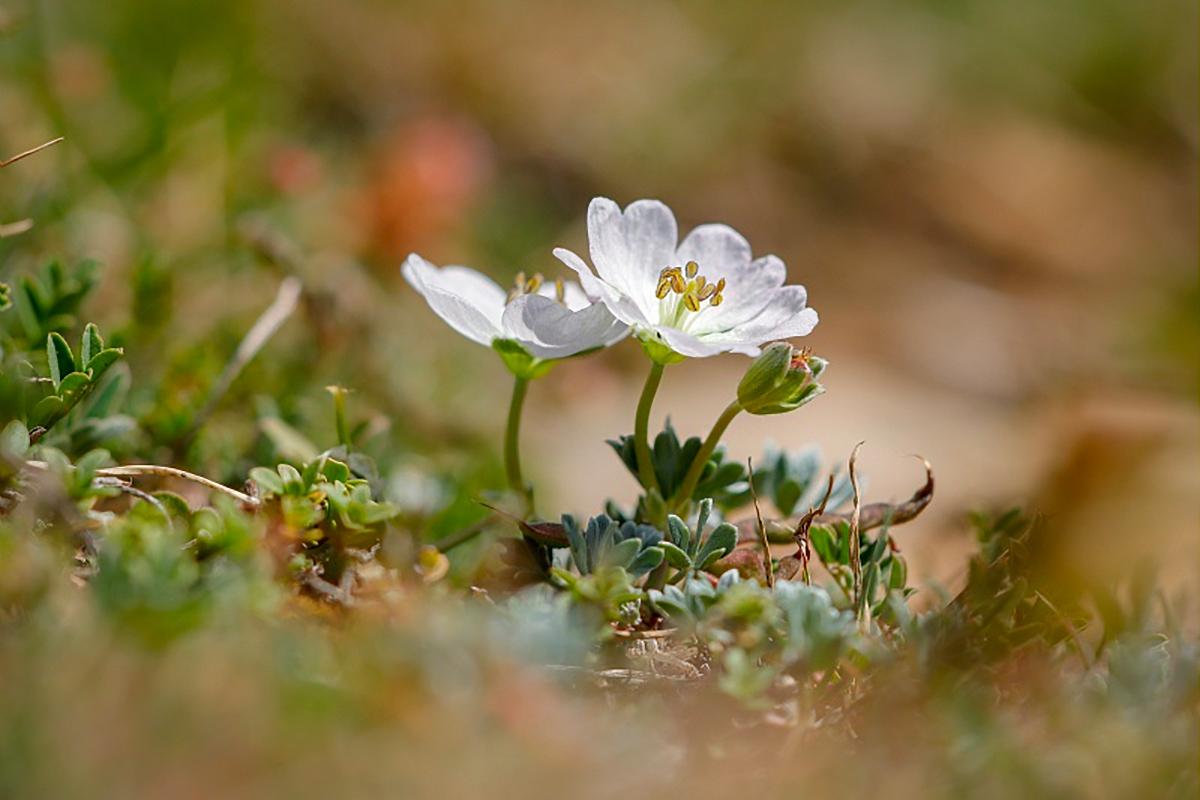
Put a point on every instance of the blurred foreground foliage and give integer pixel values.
(334, 627)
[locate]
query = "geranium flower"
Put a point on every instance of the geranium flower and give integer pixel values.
(547, 320)
(699, 297)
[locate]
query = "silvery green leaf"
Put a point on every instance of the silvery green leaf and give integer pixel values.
(647, 560)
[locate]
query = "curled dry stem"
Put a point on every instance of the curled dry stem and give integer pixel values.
(871, 515)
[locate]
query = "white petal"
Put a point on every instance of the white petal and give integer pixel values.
(718, 249)
(547, 329)
(467, 300)
(688, 345)
(747, 292)
(784, 317)
(621, 306)
(573, 295)
(630, 249)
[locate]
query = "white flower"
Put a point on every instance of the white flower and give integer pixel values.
(548, 320)
(699, 297)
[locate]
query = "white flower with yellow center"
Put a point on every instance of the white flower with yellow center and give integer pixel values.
(547, 320)
(699, 297)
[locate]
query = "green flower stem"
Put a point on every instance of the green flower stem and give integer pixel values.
(681, 498)
(641, 428)
(512, 435)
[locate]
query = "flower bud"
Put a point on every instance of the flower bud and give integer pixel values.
(780, 380)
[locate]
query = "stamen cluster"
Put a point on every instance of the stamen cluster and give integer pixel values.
(694, 288)
(531, 285)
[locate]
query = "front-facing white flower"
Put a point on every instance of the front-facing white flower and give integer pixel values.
(699, 297)
(547, 320)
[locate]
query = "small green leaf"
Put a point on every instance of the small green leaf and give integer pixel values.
(47, 411)
(293, 483)
(898, 573)
(14, 440)
(647, 560)
(91, 344)
(335, 470)
(675, 556)
(671, 603)
(623, 553)
(787, 494)
(58, 353)
(72, 387)
(312, 469)
(870, 581)
(86, 466)
(175, 505)
(822, 543)
(680, 535)
(103, 360)
(719, 543)
(268, 480)
(107, 397)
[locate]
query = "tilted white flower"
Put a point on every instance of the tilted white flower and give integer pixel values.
(548, 320)
(699, 297)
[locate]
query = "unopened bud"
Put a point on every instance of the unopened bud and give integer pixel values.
(782, 379)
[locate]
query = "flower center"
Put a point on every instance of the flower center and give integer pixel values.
(691, 289)
(523, 286)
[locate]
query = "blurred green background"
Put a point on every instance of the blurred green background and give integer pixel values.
(993, 206)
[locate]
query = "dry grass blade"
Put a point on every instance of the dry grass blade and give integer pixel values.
(768, 567)
(861, 607)
(31, 151)
(804, 548)
(14, 228)
(259, 334)
(137, 470)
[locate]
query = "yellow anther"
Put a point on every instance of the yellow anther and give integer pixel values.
(692, 288)
(560, 291)
(534, 283)
(519, 281)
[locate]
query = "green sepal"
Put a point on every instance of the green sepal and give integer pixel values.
(519, 361)
(657, 350)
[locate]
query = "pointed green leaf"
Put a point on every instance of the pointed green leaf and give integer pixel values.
(58, 353)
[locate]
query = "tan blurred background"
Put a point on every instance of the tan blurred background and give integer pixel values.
(993, 206)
